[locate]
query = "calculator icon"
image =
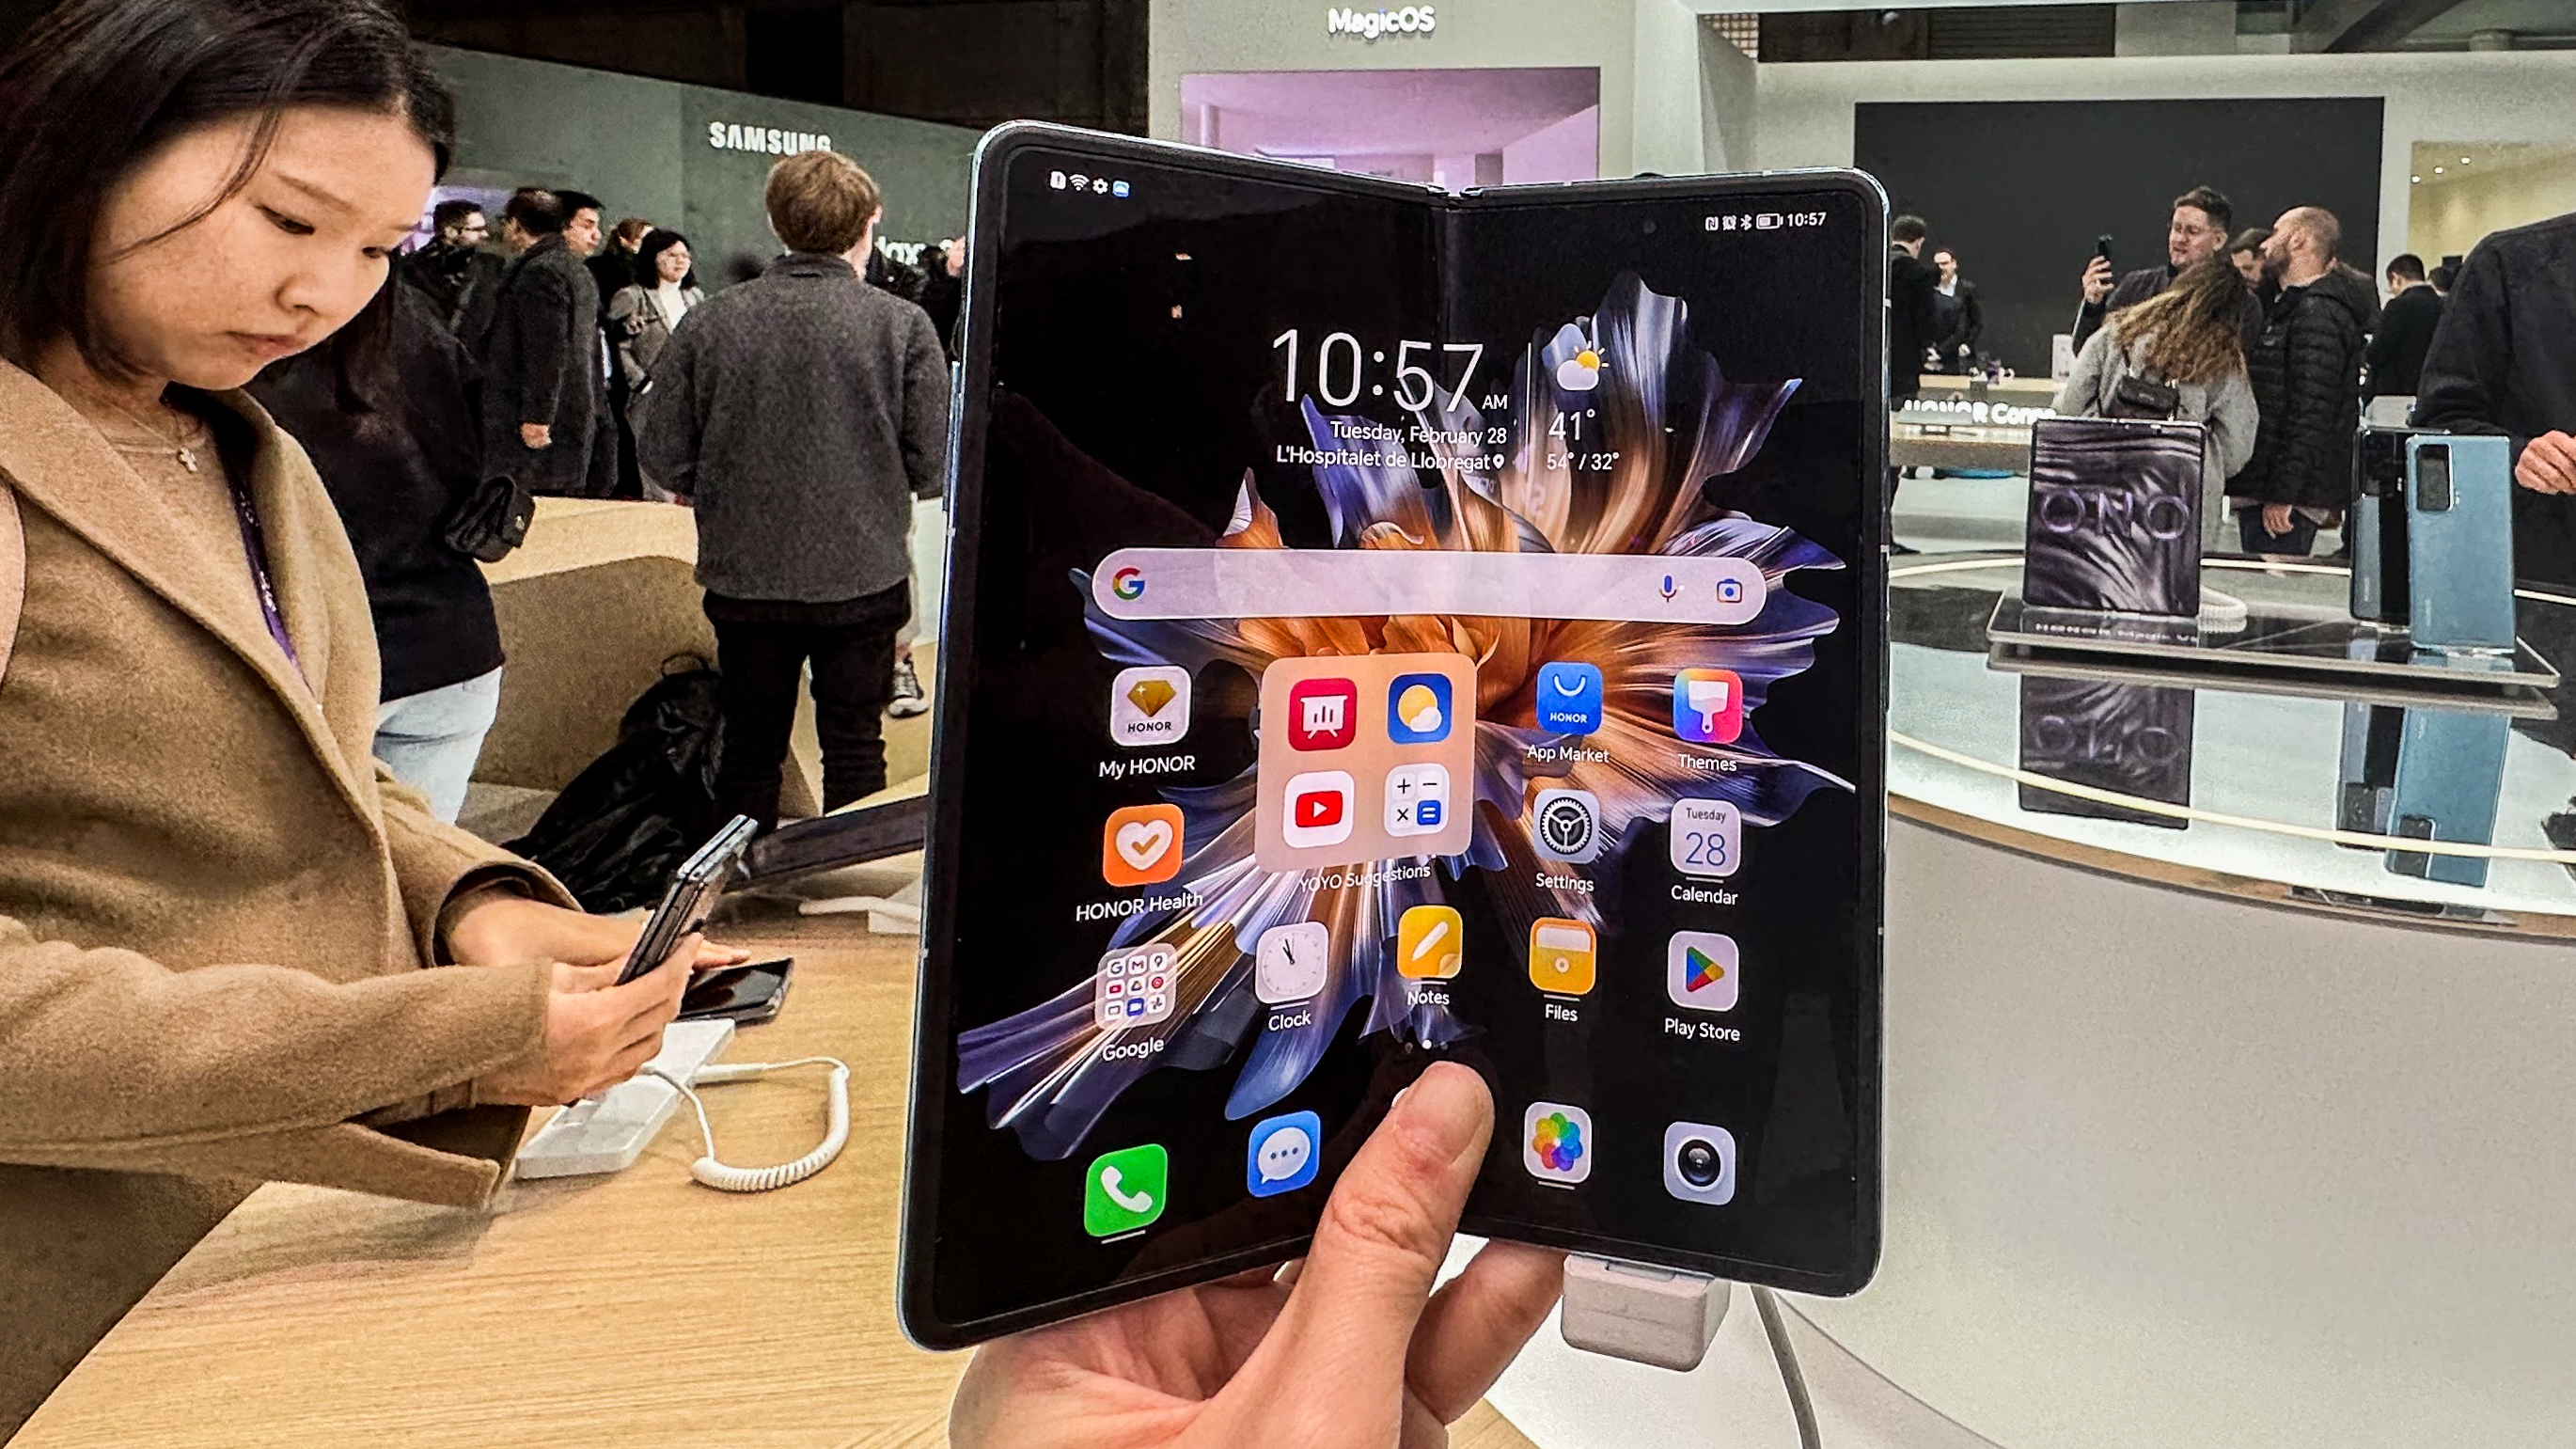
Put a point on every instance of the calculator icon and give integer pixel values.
(1134, 987)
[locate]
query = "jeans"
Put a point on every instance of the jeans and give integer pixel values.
(431, 740)
(2299, 542)
(762, 662)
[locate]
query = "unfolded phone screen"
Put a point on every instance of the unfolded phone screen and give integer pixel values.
(1388, 628)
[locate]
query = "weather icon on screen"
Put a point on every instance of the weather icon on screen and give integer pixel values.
(1581, 369)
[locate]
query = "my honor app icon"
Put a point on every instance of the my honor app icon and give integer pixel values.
(1149, 706)
(1141, 845)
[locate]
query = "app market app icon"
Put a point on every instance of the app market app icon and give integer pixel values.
(1700, 970)
(1569, 698)
(1556, 1143)
(1417, 709)
(1141, 845)
(1149, 706)
(1284, 1155)
(1429, 943)
(1124, 1190)
(1288, 962)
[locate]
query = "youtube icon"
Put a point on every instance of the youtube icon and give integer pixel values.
(1319, 809)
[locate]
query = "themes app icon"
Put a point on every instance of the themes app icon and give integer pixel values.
(1417, 709)
(1700, 970)
(1556, 1143)
(1708, 706)
(1150, 706)
(1124, 1190)
(1284, 1154)
(1323, 714)
(1141, 845)
(1569, 698)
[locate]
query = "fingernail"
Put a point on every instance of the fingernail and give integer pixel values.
(1447, 1105)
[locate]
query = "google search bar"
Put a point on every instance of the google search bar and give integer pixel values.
(1273, 583)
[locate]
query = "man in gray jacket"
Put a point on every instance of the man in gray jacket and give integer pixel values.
(800, 413)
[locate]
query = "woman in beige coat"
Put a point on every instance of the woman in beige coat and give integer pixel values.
(231, 950)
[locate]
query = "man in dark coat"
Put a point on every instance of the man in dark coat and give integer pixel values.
(2405, 331)
(2306, 369)
(541, 375)
(1913, 322)
(2504, 361)
(454, 271)
(2201, 217)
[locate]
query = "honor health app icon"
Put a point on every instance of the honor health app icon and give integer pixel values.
(1150, 706)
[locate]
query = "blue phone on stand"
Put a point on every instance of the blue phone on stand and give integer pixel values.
(2459, 541)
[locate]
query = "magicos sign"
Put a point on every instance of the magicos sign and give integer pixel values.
(1370, 24)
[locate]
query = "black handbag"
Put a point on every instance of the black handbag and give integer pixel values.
(2143, 399)
(492, 520)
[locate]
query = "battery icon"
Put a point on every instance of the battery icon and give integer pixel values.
(1767, 221)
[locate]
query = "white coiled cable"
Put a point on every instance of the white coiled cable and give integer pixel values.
(727, 1178)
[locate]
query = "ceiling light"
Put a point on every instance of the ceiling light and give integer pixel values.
(2418, 180)
(2464, 160)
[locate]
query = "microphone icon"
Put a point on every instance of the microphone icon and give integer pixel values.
(1669, 591)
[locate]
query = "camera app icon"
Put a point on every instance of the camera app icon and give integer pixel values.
(1699, 1163)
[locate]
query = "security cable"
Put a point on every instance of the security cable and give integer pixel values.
(1792, 1378)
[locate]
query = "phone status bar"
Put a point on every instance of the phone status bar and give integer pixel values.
(1083, 181)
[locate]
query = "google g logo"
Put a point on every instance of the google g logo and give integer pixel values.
(1128, 584)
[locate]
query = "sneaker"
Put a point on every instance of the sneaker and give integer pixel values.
(909, 697)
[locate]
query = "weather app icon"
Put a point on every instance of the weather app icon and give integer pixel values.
(1581, 369)
(1284, 1154)
(1417, 709)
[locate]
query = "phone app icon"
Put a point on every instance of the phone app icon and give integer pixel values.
(1566, 825)
(1134, 987)
(1699, 1163)
(1320, 807)
(1707, 837)
(1417, 709)
(1140, 845)
(1323, 714)
(1149, 706)
(1288, 962)
(1429, 942)
(1284, 1154)
(1700, 970)
(1563, 956)
(1124, 1190)
(1417, 799)
(1708, 706)
(1569, 698)
(1556, 1143)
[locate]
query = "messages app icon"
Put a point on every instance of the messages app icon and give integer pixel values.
(1124, 1190)
(1569, 698)
(1284, 1154)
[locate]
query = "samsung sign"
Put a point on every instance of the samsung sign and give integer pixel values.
(767, 140)
(1370, 24)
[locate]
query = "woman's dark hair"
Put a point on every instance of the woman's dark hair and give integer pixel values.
(97, 85)
(656, 242)
(2194, 329)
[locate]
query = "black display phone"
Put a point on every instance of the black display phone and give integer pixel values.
(2102, 246)
(744, 995)
(1387, 627)
(693, 890)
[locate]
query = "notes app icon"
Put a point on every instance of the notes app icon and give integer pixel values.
(1427, 941)
(1150, 706)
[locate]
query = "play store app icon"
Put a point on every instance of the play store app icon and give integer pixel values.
(1150, 706)
(1700, 971)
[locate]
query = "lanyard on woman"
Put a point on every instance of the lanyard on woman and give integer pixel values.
(255, 548)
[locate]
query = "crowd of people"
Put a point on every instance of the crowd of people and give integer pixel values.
(2276, 343)
(544, 351)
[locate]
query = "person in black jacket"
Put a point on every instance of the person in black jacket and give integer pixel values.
(1913, 324)
(454, 271)
(800, 413)
(2503, 360)
(2405, 330)
(541, 372)
(1962, 317)
(2306, 368)
(2201, 217)
(396, 482)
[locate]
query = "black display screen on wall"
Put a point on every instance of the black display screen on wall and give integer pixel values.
(2022, 188)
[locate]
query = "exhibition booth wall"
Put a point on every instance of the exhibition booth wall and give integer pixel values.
(693, 157)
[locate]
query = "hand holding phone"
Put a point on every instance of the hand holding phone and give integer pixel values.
(599, 1032)
(1347, 1352)
(694, 888)
(2099, 278)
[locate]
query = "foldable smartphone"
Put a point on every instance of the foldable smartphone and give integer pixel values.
(1386, 626)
